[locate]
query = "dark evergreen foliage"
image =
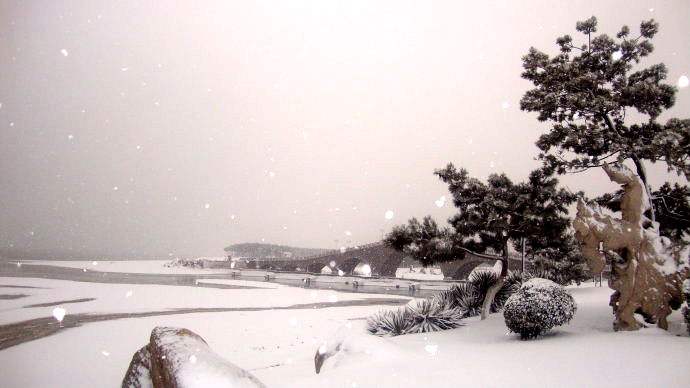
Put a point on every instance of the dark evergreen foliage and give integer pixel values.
(562, 263)
(490, 215)
(586, 92)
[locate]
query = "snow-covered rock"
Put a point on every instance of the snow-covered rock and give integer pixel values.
(179, 358)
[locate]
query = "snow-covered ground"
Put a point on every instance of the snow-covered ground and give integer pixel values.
(278, 346)
(116, 298)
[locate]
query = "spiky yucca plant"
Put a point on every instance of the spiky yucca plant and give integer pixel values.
(429, 316)
(481, 281)
(390, 322)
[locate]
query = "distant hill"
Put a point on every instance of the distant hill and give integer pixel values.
(258, 250)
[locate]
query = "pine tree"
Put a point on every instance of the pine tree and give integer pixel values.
(490, 216)
(586, 92)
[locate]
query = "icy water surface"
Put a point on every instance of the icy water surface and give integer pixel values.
(11, 269)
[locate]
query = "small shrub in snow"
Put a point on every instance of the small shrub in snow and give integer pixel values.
(460, 296)
(428, 316)
(420, 317)
(469, 296)
(537, 307)
(389, 322)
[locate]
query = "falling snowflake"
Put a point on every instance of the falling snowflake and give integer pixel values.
(441, 201)
(192, 359)
(343, 249)
(70, 137)
(64, 52)
(683, 81)
(389, 214)
(340, 272)
(232, 216)
(94, 263)
(431, 349)
(332, 263)
(105, 353)
(206, 206)
(115, 188)
(348, 233)
(59, 313)
(617, 55)
(271, 174)
(125, 68)
(129, 294)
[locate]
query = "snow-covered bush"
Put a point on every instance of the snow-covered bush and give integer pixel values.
(420, 317)
(537, 307)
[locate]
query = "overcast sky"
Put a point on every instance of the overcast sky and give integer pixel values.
(149, 128)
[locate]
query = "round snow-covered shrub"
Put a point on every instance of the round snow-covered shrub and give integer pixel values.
(537, 307)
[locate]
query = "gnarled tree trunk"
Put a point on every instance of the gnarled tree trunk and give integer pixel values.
(493, 290)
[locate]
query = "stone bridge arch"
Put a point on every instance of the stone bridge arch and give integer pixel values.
(382, 260)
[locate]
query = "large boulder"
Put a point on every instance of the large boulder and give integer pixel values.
(179, 358)
(646, 270)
